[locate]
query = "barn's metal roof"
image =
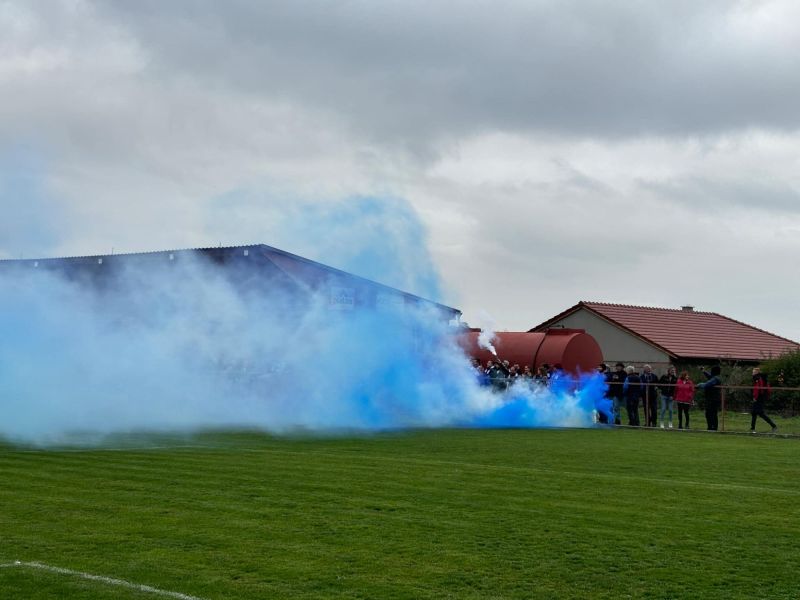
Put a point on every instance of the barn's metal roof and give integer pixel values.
(301, 271)
(685, 333)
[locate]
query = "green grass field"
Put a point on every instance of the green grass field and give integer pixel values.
(737, 422)
(611, 513)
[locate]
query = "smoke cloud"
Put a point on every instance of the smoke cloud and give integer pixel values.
(184, 345)
(487, 326)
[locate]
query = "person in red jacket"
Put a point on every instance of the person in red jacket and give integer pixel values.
(761, 391)
(684, 397)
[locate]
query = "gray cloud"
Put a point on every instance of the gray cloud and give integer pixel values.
(732, 193)
(412, 72)
(554, 150)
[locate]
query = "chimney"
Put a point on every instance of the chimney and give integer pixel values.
(687, 308)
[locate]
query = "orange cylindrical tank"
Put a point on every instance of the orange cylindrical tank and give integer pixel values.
(574, 349)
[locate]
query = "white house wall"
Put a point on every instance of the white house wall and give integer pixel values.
(617, 344)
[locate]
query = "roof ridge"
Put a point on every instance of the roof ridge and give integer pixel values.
(266, 247)
(660, 308)
(141, 253)
(678, 334)
(314, 263)
(757, 328)
(699, 312)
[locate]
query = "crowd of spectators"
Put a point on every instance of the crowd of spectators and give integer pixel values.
(659, 397)
(627, 388)
(500, 375)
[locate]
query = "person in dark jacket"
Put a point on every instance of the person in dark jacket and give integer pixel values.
(615, 382)
(761, 392)
(540, 378)
(667, 383)
(480, 373)
(713, 396)
(632, 390)
(650, 392)
(497, 374)
(602, 368)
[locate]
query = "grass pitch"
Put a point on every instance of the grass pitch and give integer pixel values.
(460, 513)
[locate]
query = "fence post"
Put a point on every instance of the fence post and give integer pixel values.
(645, 399)
(723, 409)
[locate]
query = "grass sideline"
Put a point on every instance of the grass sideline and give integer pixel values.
(600, 513)
(732, 422)
(740, 422)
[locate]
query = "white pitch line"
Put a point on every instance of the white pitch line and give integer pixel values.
(133, 448)
(56, 450)
(101, 578)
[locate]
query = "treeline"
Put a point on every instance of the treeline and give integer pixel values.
(782, 372)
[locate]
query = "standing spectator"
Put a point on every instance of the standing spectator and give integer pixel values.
(496, 375)
(480, 373)
(603, 370)
(541, 376)
(713, 394)
(615, 391)
(667, 389)
(650, 392)
(550, 371)
(632, 390)
(761, 392)
(514, 373)
(506, 367)
(684, 397)
(559, 379)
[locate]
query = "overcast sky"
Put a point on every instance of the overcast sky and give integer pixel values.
(634, 152)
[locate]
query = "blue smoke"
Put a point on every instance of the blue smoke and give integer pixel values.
(378, 238)
(566, 402)
(166, 349)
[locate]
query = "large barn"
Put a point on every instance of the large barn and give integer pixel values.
(663, 336)
(250, 268)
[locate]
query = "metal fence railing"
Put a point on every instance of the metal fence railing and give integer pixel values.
(782, 402)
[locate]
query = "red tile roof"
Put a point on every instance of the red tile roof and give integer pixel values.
(688, 333)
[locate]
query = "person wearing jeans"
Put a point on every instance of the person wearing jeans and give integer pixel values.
(667, 387)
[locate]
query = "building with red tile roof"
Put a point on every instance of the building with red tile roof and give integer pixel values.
(660, 336)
